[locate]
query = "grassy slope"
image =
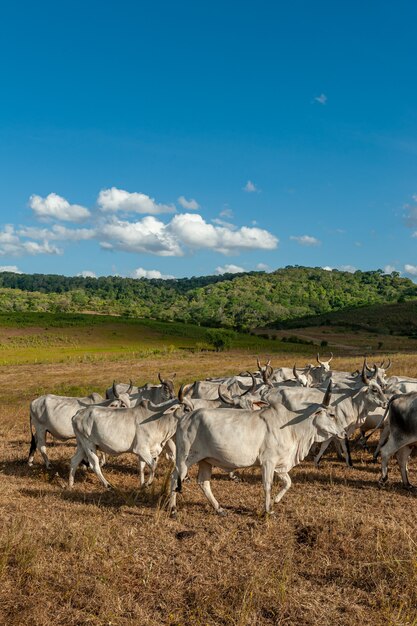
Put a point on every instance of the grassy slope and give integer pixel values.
(49, 338)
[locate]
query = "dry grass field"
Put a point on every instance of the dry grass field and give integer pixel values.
(339, 550)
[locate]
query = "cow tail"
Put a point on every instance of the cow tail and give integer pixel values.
(32, 448)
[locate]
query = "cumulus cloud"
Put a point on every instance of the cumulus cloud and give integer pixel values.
(113, 199)
(57, 233)
(57, 208)
(12, 245)
(263, 267)
(87, 274)
(348, 268)
(321, 99)
(190, 204)
(140, 272)
(250, 187)
(194, 232)
(327, 268)
(388, 269)
(186, 230)
(10, 268)
(229, 269)
(306, 240)
(410, 269)
(148, 235)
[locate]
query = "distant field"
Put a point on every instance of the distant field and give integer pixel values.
(49, 338)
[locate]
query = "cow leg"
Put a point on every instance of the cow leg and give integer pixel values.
(103, 459)
(41, 445)
(94, 461)
(141, 472)
(322, 450)
(387, 450)
(402, 458)
(382, 441)
(346, 451)
(203, 479)
(75, 461)
(286, 480)
(152, 471)
(170, 449)
(268, 468)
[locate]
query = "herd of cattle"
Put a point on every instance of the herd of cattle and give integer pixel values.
(269, 418)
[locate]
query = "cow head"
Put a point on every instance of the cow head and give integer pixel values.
(304, 379)
(375, 396)
(325, 419)
(246, 400)
(266, 372)
(121, 399)
(167, 386)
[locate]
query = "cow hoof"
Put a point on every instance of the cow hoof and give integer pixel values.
(382, 482)
(221, 512)
(173, 514)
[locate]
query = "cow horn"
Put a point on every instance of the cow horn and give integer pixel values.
(269, 363)
(331, 357)
(389, 364)
(129, 391)
(115, 392)
(328, 394)
(181, 393)
(294, 371)
(367, 366)
(251, 389)
(160, 379)
(364, 377)
(259, 364)
(223, 397)
(318, 358)
(173, 375)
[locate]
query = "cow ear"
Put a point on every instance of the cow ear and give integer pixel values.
(171, 409)
(259, 404)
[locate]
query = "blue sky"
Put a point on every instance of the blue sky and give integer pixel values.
(187, 138)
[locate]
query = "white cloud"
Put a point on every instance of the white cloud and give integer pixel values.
(321, 99)
(223, 223)
(112, 200)
(140, 272)
(12, 245)
(194, 232)
(186, 230)
(57, 233)
(87, 274)
(327, 268)
(148, 235)
(410, 269)
(229, 269)
(250, 187)
(10, 268)
(56, 207)
(263, 267)
(188, 204)
(348, 268)
(228, 213)
(306, 240)
(388, 269)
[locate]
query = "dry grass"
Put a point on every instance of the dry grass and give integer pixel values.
(338, 551)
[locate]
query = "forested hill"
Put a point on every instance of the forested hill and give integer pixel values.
(241, 301)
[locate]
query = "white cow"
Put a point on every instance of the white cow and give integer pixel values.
(143, 430)
(52, 414)
(274, 439)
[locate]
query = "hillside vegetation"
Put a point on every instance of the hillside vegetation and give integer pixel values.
(393, 319)
(241, 301)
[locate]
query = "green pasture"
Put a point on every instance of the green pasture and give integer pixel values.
(58, 338)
